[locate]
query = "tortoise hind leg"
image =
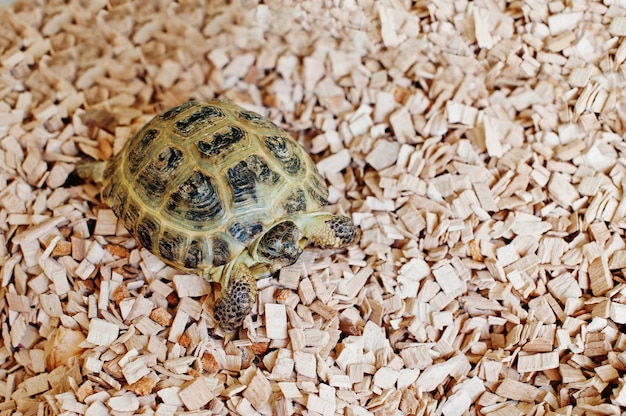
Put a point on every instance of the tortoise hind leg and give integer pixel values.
(235, 300)
(328, 230)
(92, 170)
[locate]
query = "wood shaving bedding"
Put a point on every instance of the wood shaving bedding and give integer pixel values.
(477, 145)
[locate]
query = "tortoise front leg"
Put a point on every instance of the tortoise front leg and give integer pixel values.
(235, 300)
(328, 230)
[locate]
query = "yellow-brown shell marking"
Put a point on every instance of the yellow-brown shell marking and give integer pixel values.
(200, 181)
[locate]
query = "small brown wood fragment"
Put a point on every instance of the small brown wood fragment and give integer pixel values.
(209, 363)
(62, 248)
(161, 316)
(144, 386)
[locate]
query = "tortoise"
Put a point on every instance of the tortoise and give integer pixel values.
(214, 189)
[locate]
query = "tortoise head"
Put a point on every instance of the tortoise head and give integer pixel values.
(280, 245)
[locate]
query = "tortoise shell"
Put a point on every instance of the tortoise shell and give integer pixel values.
(199, 182)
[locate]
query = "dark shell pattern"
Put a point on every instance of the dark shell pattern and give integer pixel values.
(199, 182)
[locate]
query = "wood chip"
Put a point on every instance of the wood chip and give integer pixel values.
(195, 394)
(537, 362)
(258, 391)
(126, 402)
(102, 332)
(480, 155)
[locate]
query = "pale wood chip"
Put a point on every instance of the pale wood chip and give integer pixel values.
(448, 279)
(126, 402)
(515, 390)
(102, 332)
(135, 370)
(305, 364)
(563, 287)
(434, 375)
(480, 155)
(537, 362)
(106, 224)
(289, 389)
(600, 276)
(18, 303)
(191, 285)
(178, 325)
(258, 391)
(276, 321)
(318, 405)
(195, 394)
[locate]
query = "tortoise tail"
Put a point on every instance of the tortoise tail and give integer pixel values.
(91, 170)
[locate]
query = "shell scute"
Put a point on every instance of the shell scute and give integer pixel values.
(138, 146)
(201, 119)
(221, 142)
(243, 184)
(195, 253)
(317, 189)
(130, 215)
(172, 113)
(261, 171)
(196, 201)
(257, 121)
(295, 202)
(245, 232)
(221, 251)
(171, 245)
(283, 150)
(147, 231)
(157, 176)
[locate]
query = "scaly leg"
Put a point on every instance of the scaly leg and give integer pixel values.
(328, 230)
(236, 299)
